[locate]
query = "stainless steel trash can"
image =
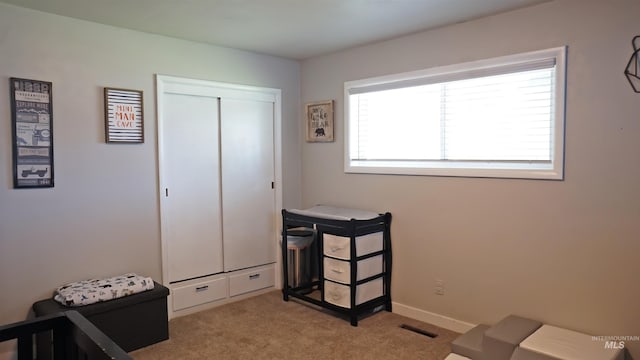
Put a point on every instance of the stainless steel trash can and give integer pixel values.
(299, 257)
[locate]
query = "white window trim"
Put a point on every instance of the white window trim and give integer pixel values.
(554, 171)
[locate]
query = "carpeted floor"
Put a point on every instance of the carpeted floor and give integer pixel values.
(266, 327)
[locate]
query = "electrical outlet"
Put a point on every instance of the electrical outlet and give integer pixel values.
(439, 288)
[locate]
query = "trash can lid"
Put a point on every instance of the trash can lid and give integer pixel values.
(301, 231)
(298, 242)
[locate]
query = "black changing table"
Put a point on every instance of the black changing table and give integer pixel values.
(344, 242)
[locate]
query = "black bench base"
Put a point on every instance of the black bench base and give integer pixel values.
(132, 322)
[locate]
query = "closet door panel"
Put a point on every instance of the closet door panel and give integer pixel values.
(248, 200)
(190, 169)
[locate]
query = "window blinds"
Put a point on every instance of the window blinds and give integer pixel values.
(488, 114)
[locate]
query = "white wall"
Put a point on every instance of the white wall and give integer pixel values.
(102, 216)
(564, 252)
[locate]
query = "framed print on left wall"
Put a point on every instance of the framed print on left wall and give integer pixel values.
(32, 133)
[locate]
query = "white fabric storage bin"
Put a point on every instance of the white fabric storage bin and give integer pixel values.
(453, 356)
(340, 270)
(559, 343)
(340, 246)
(339, 294)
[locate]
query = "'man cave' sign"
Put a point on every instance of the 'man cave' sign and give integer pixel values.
(123, 113)
(124, 116)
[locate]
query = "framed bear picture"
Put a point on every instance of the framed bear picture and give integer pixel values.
(319, 118)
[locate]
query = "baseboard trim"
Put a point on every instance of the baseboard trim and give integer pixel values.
(432, 318)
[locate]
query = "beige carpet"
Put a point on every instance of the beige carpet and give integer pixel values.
(266, 327)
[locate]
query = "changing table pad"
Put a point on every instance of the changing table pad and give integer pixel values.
(336, 213)
(95, 290)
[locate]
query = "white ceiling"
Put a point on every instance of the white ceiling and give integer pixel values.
(296, 29)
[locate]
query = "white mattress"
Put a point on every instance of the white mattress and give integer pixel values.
(565, 344)
(336, 213)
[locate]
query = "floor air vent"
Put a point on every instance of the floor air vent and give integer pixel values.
(419, 331)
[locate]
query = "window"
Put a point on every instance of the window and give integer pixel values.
(502, 117)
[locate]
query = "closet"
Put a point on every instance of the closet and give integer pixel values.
(219, 189)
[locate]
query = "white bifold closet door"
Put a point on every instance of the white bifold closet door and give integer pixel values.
(192, 220)
(248, 198)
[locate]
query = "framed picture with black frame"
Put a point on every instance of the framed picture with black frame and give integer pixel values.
(32, 133)
(123, 112)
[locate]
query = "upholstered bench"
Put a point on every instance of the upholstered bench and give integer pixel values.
(132, 321)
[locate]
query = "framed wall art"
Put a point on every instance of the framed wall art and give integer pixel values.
(319, 119)
(32, 132)
(123, 112)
